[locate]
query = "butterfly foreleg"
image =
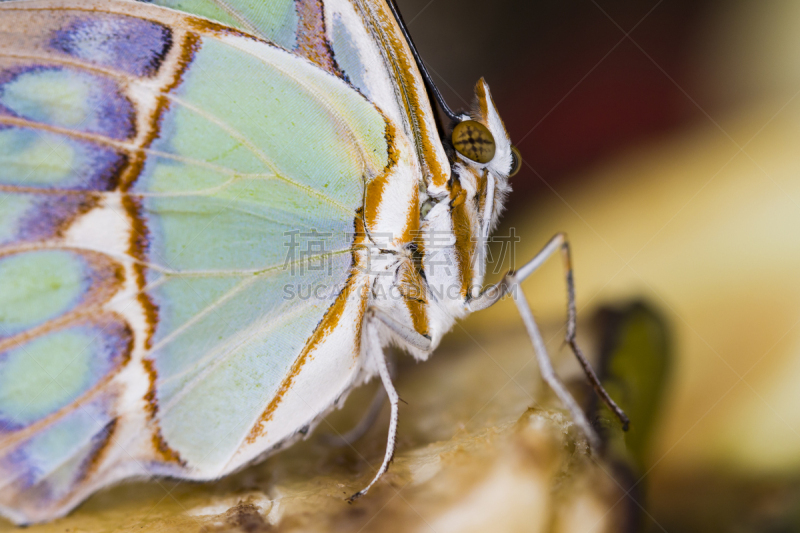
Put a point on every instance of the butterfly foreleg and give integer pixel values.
(364, 424)
(378, 358)
(369, 418)
(406, 333)
(510, 284)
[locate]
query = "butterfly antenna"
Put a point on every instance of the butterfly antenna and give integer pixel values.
(424, 71)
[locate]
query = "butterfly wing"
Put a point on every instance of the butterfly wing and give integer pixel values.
(171, 189)
(360, 42)
(357, 40)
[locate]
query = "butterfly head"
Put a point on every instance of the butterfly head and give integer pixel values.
(484, 157)
(481, 140)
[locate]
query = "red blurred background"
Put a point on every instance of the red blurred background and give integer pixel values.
(574, 80)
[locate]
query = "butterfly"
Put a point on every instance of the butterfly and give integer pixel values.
(215, 215)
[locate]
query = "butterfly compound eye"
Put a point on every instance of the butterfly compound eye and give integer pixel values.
(516, 161)
(474, 141)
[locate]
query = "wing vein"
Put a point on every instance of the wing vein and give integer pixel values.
(236, 134)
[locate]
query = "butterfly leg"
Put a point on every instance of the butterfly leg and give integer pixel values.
(363, 425)
(406, 333)
(376, 352)
(510, 284)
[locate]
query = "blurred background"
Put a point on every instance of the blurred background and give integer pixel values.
(663, 137)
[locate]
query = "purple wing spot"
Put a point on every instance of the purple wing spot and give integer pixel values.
(46, 465)
(94, 167)
(68, 98)
(44, 216)
(106, 349)
(130, 44)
